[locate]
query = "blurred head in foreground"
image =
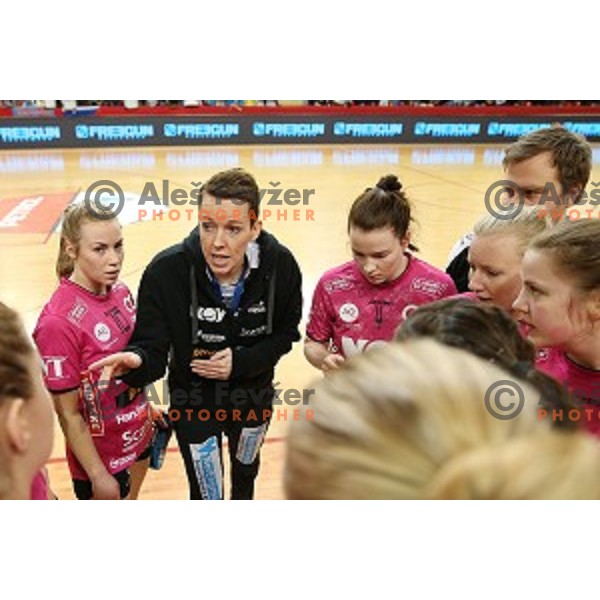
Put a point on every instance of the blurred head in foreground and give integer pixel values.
(411, 421)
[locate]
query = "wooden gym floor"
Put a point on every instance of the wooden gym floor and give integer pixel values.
(445, 183)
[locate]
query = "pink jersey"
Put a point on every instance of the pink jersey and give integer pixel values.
(39, 487)
(76, 328)
(350, 312)
(583, 385)
(523, 328)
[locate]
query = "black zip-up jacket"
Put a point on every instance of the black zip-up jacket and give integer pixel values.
(259, 333)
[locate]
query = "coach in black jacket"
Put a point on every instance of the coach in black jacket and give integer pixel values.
(221, 308)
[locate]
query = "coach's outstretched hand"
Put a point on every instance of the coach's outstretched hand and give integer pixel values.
(332, 362)
(116, 364)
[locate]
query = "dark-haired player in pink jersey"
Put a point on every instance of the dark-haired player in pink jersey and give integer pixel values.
(90, 315)
(363, 301)
(560, 304)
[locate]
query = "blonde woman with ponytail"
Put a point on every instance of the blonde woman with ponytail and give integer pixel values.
(388, 426)
(90, 315)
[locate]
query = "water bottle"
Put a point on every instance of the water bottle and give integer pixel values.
(162, 435)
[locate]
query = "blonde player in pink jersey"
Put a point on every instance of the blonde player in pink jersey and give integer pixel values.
(91, 314)
(496, 253)
(361, 302)
(26, 420)
(560, 304)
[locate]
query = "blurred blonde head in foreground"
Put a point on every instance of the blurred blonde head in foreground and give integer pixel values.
(409, 421)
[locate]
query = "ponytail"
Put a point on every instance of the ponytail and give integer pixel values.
(64, 263)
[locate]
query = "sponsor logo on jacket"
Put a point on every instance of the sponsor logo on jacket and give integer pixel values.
(428, 286)
(211, 315)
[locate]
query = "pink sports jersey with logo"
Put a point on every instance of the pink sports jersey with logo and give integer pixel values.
(583, 384)
(352, 313)
(39, 487)
(76, 328)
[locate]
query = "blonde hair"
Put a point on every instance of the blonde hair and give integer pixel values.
(388, 426)
(524, 226)
(74, 216)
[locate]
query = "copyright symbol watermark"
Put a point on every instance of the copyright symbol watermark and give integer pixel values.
(504, 199)
(507, 409)
(104, 199)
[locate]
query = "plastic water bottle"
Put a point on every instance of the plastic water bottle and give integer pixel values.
(162, 435)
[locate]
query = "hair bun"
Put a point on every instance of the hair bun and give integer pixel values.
(389, 183)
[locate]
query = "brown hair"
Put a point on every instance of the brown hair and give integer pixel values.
(236, 184)
(570, 153)
(385, 205)
(575, 250)
(490, 333)
(74, 216)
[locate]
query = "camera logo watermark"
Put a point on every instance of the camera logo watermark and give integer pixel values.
(504, 399)
(499, 199)
(504, 200)
(105, 199)
(225, 403)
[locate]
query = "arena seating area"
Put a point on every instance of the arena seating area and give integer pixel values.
(70, 105)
